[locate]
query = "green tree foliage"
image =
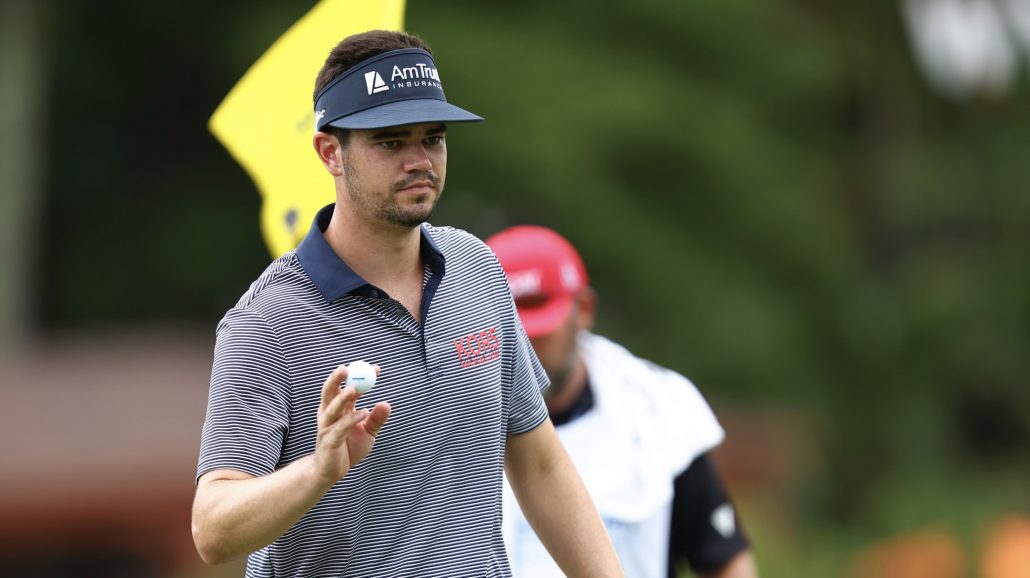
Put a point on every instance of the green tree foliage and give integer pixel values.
(769, 197)
(770, 200)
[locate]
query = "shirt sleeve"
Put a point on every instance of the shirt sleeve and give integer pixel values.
(705, 531)
(528, 409)
(248, 402)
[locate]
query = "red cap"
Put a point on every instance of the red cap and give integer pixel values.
(544, 271)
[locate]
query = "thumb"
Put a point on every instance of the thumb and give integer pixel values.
(376, 418)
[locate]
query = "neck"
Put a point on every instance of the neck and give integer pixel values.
(387, 256)
(382, 254)
(569, 389)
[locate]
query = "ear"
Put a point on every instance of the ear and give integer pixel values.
(586, 307)
(329, 151)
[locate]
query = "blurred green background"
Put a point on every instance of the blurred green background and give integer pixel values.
(774, 198)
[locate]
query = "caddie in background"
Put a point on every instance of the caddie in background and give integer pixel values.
(638, 433)
(313, 479)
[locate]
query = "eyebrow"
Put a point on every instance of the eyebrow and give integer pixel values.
(392, 133)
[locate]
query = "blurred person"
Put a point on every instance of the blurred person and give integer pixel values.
(291, 470)
(638, 433)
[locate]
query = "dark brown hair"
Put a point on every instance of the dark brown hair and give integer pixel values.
(359, 47)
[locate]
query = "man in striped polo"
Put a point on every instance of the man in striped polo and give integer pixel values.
(310, 480)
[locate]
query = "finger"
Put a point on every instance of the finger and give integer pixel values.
(339, 428)
(337, 432)
(377, 417)
(331, 387)
(341, 405)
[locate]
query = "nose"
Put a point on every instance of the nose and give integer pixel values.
(418, 160)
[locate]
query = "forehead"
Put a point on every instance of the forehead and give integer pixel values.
(402, 131)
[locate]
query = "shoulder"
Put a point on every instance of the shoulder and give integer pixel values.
(463, 251)
(452, 240)
(275, 291)
(620, 372)
(656, 395)
(619, 360)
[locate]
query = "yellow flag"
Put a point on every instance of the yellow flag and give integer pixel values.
(267, 120)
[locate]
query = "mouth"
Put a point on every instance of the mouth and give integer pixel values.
(417, 185)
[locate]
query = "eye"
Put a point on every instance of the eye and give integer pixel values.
(435, 140)
(390, 144)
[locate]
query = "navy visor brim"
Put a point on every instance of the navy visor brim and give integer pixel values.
(404, 112)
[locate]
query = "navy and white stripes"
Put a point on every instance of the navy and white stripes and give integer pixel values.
(427, 499)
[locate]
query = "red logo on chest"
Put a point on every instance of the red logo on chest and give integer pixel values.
(478, 348)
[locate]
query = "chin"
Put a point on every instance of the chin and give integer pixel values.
(415, 219)
(408, 217)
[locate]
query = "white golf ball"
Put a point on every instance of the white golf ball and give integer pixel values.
(361, 376)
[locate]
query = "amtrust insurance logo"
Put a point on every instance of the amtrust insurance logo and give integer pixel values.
(478, 348)
(419, 74)
(375, 83)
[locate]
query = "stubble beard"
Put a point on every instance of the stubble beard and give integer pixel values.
(559, 376)
(384, 207)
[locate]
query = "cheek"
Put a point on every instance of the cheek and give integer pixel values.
(553, 350)
(546, 351)
(439, 160)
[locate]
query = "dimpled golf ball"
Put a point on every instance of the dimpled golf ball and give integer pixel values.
(361, 376)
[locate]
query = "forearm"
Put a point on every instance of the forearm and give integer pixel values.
(567, 522)
(558, 507)
(236, 515)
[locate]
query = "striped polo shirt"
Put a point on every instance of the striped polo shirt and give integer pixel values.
(427, 500)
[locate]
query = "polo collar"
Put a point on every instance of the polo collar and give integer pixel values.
(334, 278)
